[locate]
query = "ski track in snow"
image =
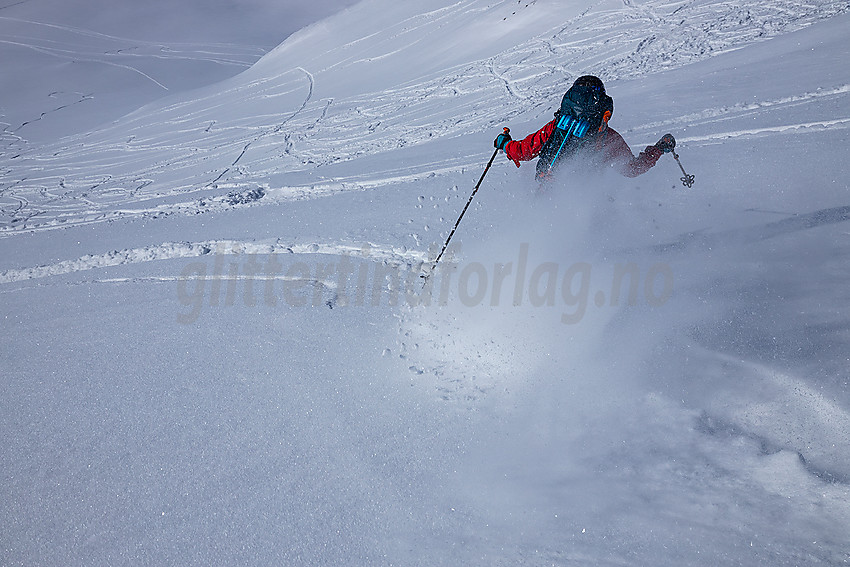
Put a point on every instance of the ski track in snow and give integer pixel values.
(73, 182)
(77, 44)
(396, 256)
(272, 131)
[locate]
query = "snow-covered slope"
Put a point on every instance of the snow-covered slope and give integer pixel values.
(370, 80)
(217, 350)
(70, 66)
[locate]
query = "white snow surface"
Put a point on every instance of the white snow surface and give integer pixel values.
(218, 349)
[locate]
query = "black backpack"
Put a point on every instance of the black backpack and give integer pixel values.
(585, 110)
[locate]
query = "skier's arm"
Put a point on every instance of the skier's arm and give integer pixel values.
(623, 160)
(641, 164)
(529, 147)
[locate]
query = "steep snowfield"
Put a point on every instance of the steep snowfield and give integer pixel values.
(218, 348)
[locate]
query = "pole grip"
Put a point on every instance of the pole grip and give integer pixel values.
(508, 133)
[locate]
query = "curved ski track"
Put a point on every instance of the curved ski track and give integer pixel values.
(181, 250)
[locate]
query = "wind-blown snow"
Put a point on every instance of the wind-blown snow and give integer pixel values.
(218, 348)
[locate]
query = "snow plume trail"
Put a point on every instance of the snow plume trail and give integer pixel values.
(539, 291)
(603, 409)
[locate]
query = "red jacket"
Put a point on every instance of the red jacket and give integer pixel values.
(608, 149)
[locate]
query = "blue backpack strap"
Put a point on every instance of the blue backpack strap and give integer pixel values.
(567, 127)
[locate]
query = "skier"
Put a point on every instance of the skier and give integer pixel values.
(579, 133)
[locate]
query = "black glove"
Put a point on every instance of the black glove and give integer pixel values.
(666, 144)
(502, 141)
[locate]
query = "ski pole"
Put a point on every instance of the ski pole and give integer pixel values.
(474, 191)
(687, 180)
